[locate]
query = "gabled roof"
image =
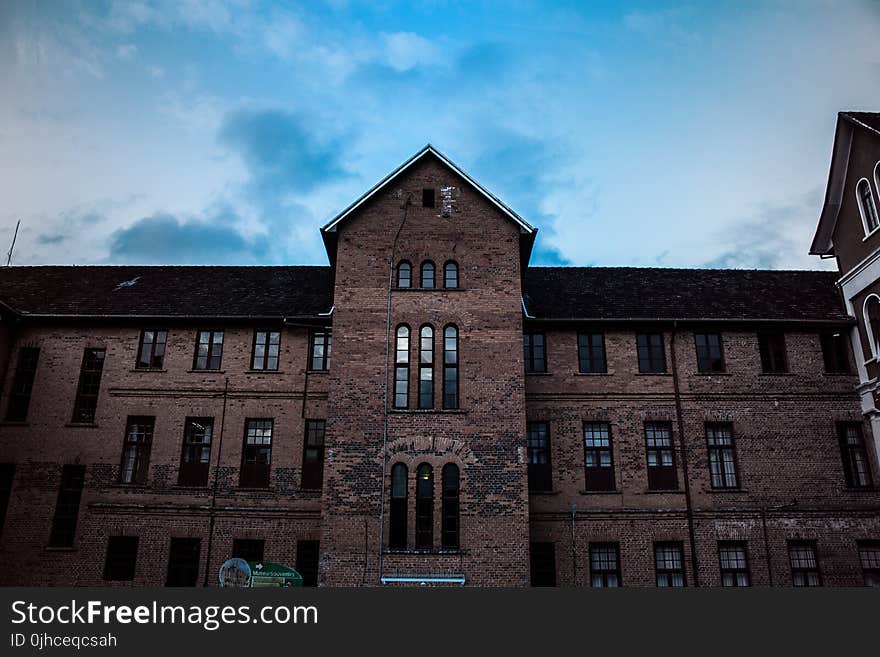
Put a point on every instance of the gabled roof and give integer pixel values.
(650, 294)
(847, 122)
(167, 291)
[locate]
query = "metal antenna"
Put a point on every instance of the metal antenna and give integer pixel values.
(14, 235)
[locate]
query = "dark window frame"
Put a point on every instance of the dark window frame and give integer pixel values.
(155, 353)
(721, 454)
(404, 275)
(800, 574)
(210, 355)
(736, 575)
(651, 355)
(256, 457)
(710, 357)
(773, 351)
(661, 476)
(450, 511)
(854, 456)
(398, 537)
(120, 562)
(540, 475)
(268, 347)
(307, 559)
(592, 358)
(867, 206)
(85, 406)
(601, 575)
(424, 507)
(312, 477)
(137, 446)
(248, 548)
(451, 400)
(194, 470)
(66, 517)
(871, 564)
(429, 197)
(426, 367)
(664, 573)
(322, 360)
(534, 363)
(184, 557)
(598, 478)
(22, 384)
(542, 563)
(450, 266)
(7, 479)
(835, 352)
(402, 336)
(427, 274)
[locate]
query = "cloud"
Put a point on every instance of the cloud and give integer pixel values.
(280, 150)
(164, 238)
(126, 51)
(407, 50)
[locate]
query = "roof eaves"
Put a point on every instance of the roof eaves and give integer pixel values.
(822, 240)
(852, 119)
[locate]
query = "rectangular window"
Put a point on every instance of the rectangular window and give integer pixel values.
(307, 561)
(669, 564)
(428, 198)
(538, 445)
(136, 450)
(426, 367)
(604, 565)
(533, 352)
(313, 455)
(835, 351)
(267, 345)
(401, 368)
(209, 350)
(183, 562)
(121, 558)
(542, 564)
(249, 549)
(67, 508)
(661, 458)
(598, 457)
(591, 353)
(86, 403)
(710, 356)
(320, 345)
(722, 455)
(734, 561)
(256, 454)
(195, 459)
(804, 565)
(450, 367)
(869, 556)
(652, 355)
(856, 468)
(772, 347)
(7, 474)
(22, 384)
(151, 349)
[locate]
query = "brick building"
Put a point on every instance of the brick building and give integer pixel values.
(430, 409)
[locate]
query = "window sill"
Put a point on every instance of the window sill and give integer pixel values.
(714, 374)
(544, 492)
(870, 235)
(593, 374)
(776, 374)
(539, 374)
(429, 289)
(672, 491)
(252, 371)
(838, 374)
(311, 491)
(861, 489)
(654, 373)
(206, 371)
(728, 490)
(253, 489)
(427, 411)
(190, 487)
(15, 423)
(81, 425)
(423, 551)
(54, 548)
(122, 486)
(146, 370)
(317, 371)
(601, 492)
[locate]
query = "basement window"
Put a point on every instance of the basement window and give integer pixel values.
(428, 198)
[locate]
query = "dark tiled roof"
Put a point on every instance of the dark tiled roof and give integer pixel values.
(870, 119)
(550, 292)
(725, 294)
(170, 291)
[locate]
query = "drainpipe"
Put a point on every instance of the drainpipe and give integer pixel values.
(574, 568)
(684, 458)
(216, 482)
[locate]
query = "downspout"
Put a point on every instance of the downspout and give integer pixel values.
(574, 568)
(684, 458)
(406, 204)
(216, 482)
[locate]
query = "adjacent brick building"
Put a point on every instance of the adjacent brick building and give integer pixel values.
(430, 409)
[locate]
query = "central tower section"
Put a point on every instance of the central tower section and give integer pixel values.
(425, 475)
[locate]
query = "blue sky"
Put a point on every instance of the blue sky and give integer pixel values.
(227, 131)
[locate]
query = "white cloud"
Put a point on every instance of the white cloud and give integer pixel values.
(406, 50)
(126, 51)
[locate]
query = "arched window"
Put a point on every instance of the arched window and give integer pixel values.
(426, 367)
(404, 274)
(397, 517)
(449, 513)
(450, 275)
(450, 367)
(871, 313)
(877, 179)
(401, 367)
(427, 274)
(867, 206)
(425, 506)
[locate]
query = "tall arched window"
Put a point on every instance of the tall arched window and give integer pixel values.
(397, 517)
(427, 274)
(426, 367)
(425, 506)
(401, 367)
(450, 367)
(871, 313)
(867, 206)
(450, 275)
(404, 274)
(877, 179)
(449, 513)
